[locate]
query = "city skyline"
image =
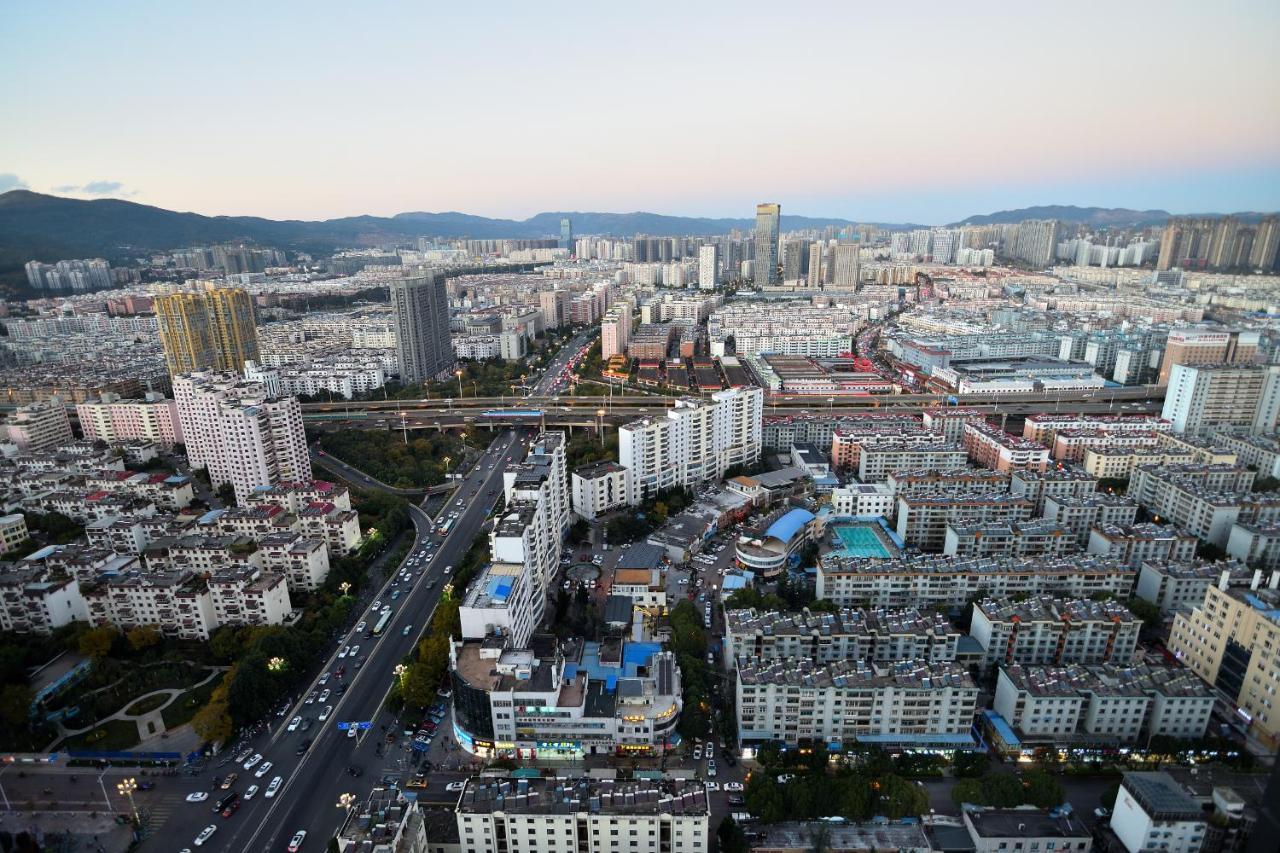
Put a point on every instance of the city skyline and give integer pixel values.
(844, 137)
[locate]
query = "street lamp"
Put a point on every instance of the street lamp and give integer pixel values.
(346, 801)
(344, 587)
(277, 664)
(126, 787)
(399, 671)
(458, 373)
(600, 425)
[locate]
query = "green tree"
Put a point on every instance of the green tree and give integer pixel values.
(225, 644)
(416, 687)
(143, 637)
(764, 798)
(227, 494)
(1042, 789)
(97, 643)
(213, 722)
(730, 837)
(968, 791)
(1003, 790)
(1146, 611)
(15, 706)
(969, 765)
(898, 797)
(855, 800)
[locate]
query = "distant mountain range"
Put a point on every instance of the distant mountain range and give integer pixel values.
(48, 228)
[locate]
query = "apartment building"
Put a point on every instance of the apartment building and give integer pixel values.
(1232, 641)
(240, 434)
(1206, 345)
(39, 426)
(303, 562)
(615, 332)
(1136, 544)
(927, 580)
(1206, 398)
(13, 531)
(922, 519)
(558, 815)
(1154, 812)
(1102, 705)
(249, 596)
(1044, 629)
(959, 481)
(1261, 452)
(1205, 500)
(212, 328)
(879, 459)
(1116, 461)
(950, 421)
(35, 599)
(1038, 486)
(863, 499)
(917, 702)
(1001, 830)
(114, 420)
(696, 442)
(177, 603)
(1079, 514)
(1018, 539)
(1070, 445)
(1177, 587)
(598, 488)
(848, 443)
(1043, 428)
(877, 635)
(992, 447)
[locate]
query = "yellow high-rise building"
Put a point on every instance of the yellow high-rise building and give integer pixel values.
(209, 329)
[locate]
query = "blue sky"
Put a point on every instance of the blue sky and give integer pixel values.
(875, 112)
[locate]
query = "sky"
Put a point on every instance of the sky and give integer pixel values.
(927, 112)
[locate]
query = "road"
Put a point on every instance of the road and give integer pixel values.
(313, 782)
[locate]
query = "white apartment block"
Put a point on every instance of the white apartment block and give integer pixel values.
(1103, 704)
(303, 562)
(867, 499)
(1136, 544)
(1044, 427)
(1116, 462)
(39, 426)
(1177, 587)
(1153, 812)
(13, 531)
(550, 815)
(1047, 630)
(881, 458)
(922, 519)
(1262, 452)
(599, 488)
(844, 701)
(1019, 539)
(114, 420)
(1070, 445)
(992, 447)
(249, 597)
(1205, 500)
(1079, 514)
(1207, 398)
(696, 442)
(36, 600)
(239, 434)
(791, 328)
(177, 603)
(879, 635)
(928, 580)
(615, 332)
(961, 481)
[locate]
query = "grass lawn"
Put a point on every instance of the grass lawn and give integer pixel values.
(149, 704)
(110, 736)
(185, 706)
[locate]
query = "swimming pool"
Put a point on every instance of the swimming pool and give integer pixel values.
(861, 541)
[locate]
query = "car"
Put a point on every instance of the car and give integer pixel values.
(407, 629)
(324, 715)
(307, 723)
(710, 752)
(206, 834)
(229, 781)
(711, 769)
(697, 753)
(735, 799)
(324, 697)
(713, 786)
(273, 787)
(303, 747)
(784, 778)
(355, 650)
(242, 757)
(734, 786)
(351, 731)
(293, 724)
(1101, 812)
(263, 770)
(346, 650)
(311, 697)
(197, 797)
(455, 786)
(448, 569)
(231, 808)
(295, 843)
(395, 594)
(250, 792)
(253, 760)
(324, 679)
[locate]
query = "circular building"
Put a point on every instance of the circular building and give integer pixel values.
(767, 549)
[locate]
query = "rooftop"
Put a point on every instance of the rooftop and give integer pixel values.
(1161, 797)
(1024, 823)
(682, 797)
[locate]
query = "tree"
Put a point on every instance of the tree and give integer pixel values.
(227, 494)
(1002, 791)
(15, 706)
(1146, 611)
(1042, 789)
(730, 837)
(416, 687)
(969, 765)
(213, 721)
(97, 643)
(968, 791)
(764, 798)
(143, 637)
(226, 643)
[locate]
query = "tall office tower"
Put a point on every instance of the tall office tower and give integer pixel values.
(848, 265)
(815, 264)
(209, 329)
(708, 267)
(1222, 246)
(1036, 241)
(566, 234)
(555, 307)
(768, 221)
(1266, 242)
(1208, 346)
(239, 433)
(794, 254)
(423, 345)
(615, 331)
(1205, 398)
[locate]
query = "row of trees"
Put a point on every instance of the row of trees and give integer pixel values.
(854, 793)
(1039, 788)
(650, 515)
(689, 643)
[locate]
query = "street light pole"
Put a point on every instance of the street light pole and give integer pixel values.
(126, 787)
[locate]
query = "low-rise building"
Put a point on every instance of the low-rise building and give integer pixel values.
(922, 519)
(1019, 539)
(1140, 543)
(878, 635)
(1047, 630)
(767, 548)
(863, 499)
(1003, 830)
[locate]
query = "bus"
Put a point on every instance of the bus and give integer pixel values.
(382, 624)
(444, 529)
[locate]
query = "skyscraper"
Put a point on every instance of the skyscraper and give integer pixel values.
(768, 220)
(815, 265)
(423, 345)
(708, 266)
(848, 265)
(209, 329)
(566, 234)
(1266, 241)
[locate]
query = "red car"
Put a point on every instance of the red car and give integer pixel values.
(231, 808)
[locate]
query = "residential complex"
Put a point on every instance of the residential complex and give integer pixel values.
(208, 329)
(423, 348)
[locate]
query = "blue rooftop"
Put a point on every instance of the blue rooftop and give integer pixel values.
(790, 524)
(636, 655)
(211, 516)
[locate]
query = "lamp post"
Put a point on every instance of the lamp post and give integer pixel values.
(126, 787)
(276, 664)
(458, 373)
(344, 588)
(600, 425)
(346, 801)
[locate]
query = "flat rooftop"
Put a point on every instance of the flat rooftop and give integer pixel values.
(682, 797)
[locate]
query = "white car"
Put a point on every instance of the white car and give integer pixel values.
(273, 787)
(345, 651)
(293, 724)
(455, 786)
(324, 697)
(295, 843)
(206, 834)
(324, 715)
(324, 679)
(263, 770)
(713, 786)
(355, 650)
(448, 569)
(734, 787)
(197, 797)
(253, 761)
(250, 792)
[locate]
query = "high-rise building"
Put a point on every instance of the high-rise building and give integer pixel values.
(848, 265)
(555, 307)
(566, 234)
(1204, 398)
(1034, 241)
(815, 265)
(795, 254)
(39, 426)
(1266, 242)
(1203, 345)
(423, 345)
(708, 266)
(615, 331)
(768, 222)
(239, 433)
(208, 329)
